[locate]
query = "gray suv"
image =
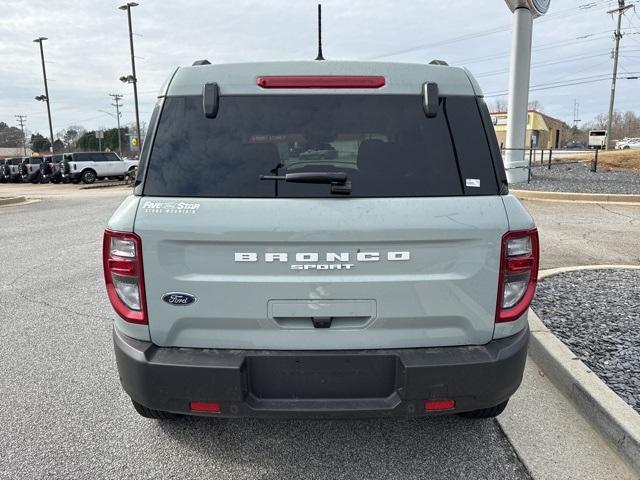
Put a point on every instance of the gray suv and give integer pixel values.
(389, 275)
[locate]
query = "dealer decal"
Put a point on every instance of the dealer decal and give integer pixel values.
(179, 208)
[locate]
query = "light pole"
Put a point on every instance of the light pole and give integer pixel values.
(524, 11)
(132, 78)
(45, 97)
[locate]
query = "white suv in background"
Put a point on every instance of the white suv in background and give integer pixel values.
(86, 167)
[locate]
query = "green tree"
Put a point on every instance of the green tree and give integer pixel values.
(10, 136)
(58, 146)
(111, 138)
(39, 143)
(88, 141)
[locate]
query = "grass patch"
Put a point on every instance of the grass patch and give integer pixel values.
(620, 159)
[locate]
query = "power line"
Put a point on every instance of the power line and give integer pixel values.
(580, 9)
(560, 84)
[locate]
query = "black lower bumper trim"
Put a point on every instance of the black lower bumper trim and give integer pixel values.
(255, 383)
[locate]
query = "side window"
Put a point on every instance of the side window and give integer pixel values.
(82, 157)
(111, 157)
(472, 146)
(146, 145)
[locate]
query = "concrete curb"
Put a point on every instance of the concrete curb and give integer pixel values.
(577, 197)
(613, 417)
(105, 185)
(12, 200)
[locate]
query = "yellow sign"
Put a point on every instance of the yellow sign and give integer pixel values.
(134, 141)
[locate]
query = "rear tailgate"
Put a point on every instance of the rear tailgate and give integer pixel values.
(427, 273)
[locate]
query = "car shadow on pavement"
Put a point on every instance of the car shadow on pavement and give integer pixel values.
(437, 447)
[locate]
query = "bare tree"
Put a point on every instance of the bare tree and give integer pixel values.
(535, 105)
(498, 104)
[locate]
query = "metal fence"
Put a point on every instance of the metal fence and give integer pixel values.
(548, 157)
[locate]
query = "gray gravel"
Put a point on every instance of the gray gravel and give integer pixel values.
(597, 315)
(578, 178)
(63, 414)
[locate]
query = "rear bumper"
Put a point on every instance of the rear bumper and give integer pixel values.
(255, 383)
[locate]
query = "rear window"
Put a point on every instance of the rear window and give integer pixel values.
(384, 143)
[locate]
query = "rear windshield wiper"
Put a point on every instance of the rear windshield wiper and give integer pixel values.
(339, 181)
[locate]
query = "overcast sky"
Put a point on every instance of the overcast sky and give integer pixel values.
(88, 48)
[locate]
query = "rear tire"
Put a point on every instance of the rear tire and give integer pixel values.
(151, 413)
(490, 412)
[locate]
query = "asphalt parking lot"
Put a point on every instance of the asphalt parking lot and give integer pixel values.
(64, 414)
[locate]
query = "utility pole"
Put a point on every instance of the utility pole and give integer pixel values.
(116, 97)
(134, 79)
(46, 88)
(618, 36)
(21, 120)
(576, 109)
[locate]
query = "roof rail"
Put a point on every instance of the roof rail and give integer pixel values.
(438, 62)
(201, 62)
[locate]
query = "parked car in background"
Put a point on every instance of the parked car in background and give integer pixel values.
(3, 167)
(323, 151)
(575, 146)
(87, 167)
(30, 169)
(51, 169)
(627, 143)
(11, 169)
(632, 144)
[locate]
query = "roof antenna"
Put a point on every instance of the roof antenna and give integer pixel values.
(319, 57)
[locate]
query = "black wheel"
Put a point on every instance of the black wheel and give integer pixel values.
(486, 412)
(155, 414)
(626, 147)
(88, 176)
(120, 178)
(55, 181)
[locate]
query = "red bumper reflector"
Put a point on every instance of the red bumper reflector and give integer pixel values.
(321, 81)
(208, 407)
(438, 405)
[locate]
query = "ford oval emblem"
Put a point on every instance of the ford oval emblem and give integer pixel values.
(178, 298)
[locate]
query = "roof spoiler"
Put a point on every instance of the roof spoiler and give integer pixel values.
(210, 99)
(438, 62)
(430, 99)
(204, 61)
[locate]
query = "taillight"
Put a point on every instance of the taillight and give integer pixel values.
(321, 81)
(123, 275)
(518, 274)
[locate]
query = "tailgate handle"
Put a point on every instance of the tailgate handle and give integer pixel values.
(321, 322)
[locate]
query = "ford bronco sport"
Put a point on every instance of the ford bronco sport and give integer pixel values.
(391, 276)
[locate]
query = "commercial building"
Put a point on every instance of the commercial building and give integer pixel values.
(8, 152)
(543, 131)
